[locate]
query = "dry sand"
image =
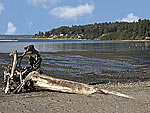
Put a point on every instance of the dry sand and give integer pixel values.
(56, 102)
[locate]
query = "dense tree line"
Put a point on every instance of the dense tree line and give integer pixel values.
(103, 31)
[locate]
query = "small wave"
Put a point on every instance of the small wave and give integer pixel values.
(8, 40)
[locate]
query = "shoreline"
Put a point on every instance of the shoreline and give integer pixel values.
(135, 40)
(94, 39)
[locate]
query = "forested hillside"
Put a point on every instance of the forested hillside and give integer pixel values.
(102, 31)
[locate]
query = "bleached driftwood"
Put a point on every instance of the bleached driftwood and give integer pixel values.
(37, 81)
(42, 81)
(10, 76)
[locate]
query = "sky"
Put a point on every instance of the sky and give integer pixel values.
(19, 17)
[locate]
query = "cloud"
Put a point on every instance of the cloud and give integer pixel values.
(11, 29)
(29, 24)
(130, 18)
(37, 2)
(1, 8)
(67, 12)
(43, 3)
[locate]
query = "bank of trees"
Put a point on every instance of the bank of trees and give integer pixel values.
(103, 31)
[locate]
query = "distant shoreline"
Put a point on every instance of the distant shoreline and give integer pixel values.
(135, 40)
(94, 40)
(15, 36)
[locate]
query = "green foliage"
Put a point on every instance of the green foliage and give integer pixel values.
(103, 31)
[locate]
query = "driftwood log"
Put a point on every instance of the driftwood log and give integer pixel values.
(20, 79)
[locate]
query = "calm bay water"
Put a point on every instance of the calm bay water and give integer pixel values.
(44, 45)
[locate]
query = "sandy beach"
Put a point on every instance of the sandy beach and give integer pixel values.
(56, 102)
